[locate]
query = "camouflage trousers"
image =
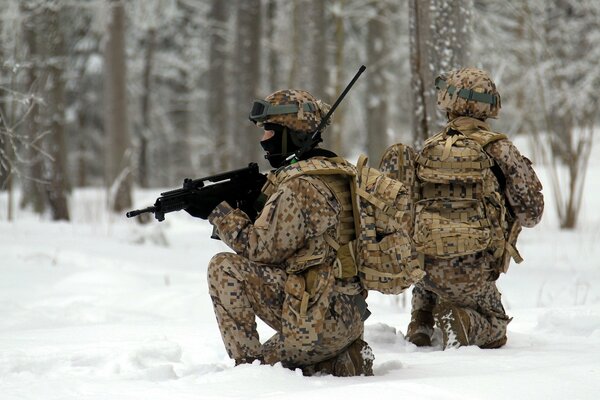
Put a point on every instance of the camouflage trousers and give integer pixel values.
(241, 290)
(465, 282)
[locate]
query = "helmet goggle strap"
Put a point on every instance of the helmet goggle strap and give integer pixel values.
(467, 94)
(262, 109)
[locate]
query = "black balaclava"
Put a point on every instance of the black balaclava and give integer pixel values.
(285, 142)
(280, 146)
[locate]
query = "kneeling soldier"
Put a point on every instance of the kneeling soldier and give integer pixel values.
(282, 269)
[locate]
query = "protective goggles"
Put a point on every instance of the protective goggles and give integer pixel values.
(467, 94)
(262, 109)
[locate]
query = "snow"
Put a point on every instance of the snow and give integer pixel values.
(105, 308)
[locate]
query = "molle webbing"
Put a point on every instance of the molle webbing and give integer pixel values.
(456, 164)
(340, 186)
(373, 237)
(321, 167)
(337, 175)
(433, 190)
(459, 212)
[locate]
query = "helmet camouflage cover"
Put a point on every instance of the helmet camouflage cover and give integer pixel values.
(305, 117)
(468, 92)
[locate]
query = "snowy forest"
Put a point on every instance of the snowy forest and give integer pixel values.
(104, 104)
(131, 94)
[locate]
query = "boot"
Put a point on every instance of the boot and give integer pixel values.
(495, 344)
(420, 328)
(454, 323)
(354, 360)
(248, 360)
(362, 358)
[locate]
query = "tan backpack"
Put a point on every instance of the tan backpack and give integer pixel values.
(458, 209)
(381, 252)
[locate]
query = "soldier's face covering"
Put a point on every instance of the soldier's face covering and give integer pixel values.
(277, 147)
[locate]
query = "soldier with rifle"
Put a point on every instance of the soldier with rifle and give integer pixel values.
(283, 267)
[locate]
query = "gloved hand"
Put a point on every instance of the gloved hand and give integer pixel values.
(202, 205)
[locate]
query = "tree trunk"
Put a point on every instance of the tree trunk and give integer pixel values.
(33, 192)
(377, 93)
(421, 74)
(57, 146)
(181, 117)
(145, 134)
(439, 41)
(319, 69)
(309, 56)
(217, 91)
(273, 54)
(247, 64)
(118, 154)
(336, 130)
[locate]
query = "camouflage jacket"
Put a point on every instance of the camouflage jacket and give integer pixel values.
(523, 189)
(289, 234)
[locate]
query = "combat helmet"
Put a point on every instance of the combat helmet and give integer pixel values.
(293, 115)
(468, 92)
(297, 110)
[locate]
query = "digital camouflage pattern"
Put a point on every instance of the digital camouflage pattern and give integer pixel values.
(381, 252)
(473, 79)
(460, 209)
(398, 162)
(283, 274)
(460, 293)
(468, 283)
(300, 121)
(523, 188)
(462, 289)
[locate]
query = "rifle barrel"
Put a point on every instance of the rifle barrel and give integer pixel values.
(135, 213)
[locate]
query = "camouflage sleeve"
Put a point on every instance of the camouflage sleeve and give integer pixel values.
(300, 209)
(523, 188)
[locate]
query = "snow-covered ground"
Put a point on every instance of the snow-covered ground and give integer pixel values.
(105, 308)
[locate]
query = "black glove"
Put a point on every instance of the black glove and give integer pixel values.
(202, 205)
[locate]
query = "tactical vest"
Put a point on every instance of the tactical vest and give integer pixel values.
(461, 209)
(373, 240)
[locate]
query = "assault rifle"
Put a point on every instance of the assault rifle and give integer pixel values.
(240, 188)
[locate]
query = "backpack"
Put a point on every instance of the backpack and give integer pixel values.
(381, 253)
(458, 208)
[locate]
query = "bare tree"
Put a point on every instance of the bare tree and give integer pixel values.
(25, 140)
(118, 149)
(564, 35)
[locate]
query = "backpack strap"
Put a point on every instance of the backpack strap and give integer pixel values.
(484, 137)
